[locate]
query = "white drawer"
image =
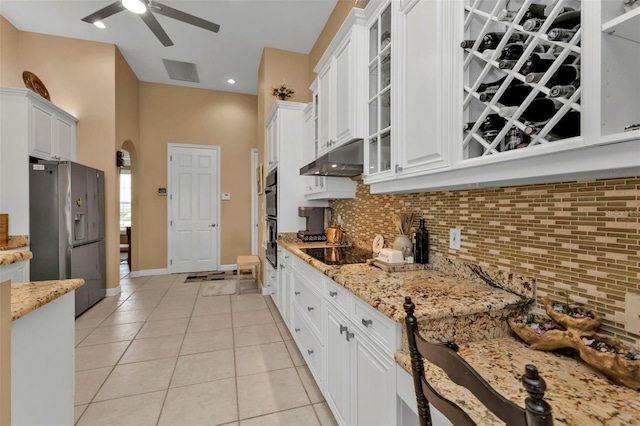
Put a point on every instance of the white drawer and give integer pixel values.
(309, 345)
(309, 302)
(374, 324)
(337, 295)
(311, 274)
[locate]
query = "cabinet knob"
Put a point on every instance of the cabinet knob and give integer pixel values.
(366, 323)
(309, 308)
(286, 257)
(349, 336)
(296, 330)
(343, 328)
(310, 351)
(333, 293)
(297, 293)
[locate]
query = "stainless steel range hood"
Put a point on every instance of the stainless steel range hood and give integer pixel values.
(344, 161)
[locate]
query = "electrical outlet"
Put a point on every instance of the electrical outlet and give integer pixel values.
(454, 239)
(632, 319)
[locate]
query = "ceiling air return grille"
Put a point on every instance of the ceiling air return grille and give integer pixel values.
(181, 71)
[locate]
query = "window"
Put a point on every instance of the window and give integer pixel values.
(125, 198)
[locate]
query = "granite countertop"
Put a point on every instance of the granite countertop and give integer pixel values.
(15, 241)
(9, 257)
(578, 394)
(436, 294)
(27, 297)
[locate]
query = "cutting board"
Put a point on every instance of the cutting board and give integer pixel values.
(4, 229)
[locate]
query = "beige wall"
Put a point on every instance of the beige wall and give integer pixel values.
(128, 138)
(80, 76)
(10, 74)
(172, 114)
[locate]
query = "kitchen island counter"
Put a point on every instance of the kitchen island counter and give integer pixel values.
(578, 394)
(27, 297)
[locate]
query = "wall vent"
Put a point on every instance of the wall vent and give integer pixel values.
(181, 71)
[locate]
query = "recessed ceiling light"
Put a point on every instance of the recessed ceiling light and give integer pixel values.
(231, 81)
(334, 165)
(100, 25)
(135, 6)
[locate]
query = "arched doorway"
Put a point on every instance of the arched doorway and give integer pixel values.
(127, 160)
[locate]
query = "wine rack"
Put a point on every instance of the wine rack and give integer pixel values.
(537, 115)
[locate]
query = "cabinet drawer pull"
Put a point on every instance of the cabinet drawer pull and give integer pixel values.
(310, 351)
(366, 323)
(333, 293)
(309, 308)
(349, 336)
(343, 328)
(296, 330)
(286, 257)
(297, 293)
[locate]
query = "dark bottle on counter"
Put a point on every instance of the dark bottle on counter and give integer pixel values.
(422, 244)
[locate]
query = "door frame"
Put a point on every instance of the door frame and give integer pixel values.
(170, 148)
(254, 201)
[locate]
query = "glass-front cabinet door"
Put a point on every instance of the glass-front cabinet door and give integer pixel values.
(378, 149)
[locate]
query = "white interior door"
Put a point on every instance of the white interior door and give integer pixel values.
(193, 198)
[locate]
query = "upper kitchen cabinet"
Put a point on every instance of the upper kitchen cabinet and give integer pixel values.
(526, 93)
(51, 131)
(273, 138)
(407, 81)
(616, 39)
(341, 85)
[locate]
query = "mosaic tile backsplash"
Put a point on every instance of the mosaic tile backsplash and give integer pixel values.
(581, 238)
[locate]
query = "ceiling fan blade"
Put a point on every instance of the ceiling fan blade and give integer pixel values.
(155, 27)
(105, 12)
(182, 16)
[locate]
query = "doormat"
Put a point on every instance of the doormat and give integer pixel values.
(210, 276)
(219, 288)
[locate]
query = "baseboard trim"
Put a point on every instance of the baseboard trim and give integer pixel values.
(113, 291)
(230, 267)
(149, 272)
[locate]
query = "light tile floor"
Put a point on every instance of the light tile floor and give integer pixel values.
(160, 354)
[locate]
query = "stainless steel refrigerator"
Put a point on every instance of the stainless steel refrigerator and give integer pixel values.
(66, 221)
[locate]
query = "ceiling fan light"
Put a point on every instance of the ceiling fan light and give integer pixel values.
(135, 6)
(100, 25)
(231, 81)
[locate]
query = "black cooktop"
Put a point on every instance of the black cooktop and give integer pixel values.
(339, 255)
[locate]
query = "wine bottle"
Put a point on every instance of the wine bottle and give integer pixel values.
(484, 86)
(567, 127)
(488, 54)
(629, 5)
(561, 34)
(421, 254)
(514, 50)
(507, 64)
(491, 40)
(535, 10)
(541, 109)
(515, 139)
(564, 20)
(467, 44)
(565, 74)
(492, 122)
(468, 126)
(512, 96)
(562, 91)
(537, 62)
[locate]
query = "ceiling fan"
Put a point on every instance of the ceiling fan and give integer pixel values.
(146, 8)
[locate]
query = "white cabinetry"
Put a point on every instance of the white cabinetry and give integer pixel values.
(273, 138)
(30, 125)
(360, 384)
(284, 135)
(17, 272)
(428, 64)
(341, 86)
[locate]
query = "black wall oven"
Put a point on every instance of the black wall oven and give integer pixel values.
(272, 236)
(271, 193)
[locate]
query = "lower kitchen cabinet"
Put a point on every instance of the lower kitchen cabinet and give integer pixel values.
(337, 388)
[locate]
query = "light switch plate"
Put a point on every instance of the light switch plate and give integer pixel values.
(454, 238)
(632, 316)
(225, 196)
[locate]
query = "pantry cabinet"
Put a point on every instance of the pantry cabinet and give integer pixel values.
(450, 132)
(341, 85)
